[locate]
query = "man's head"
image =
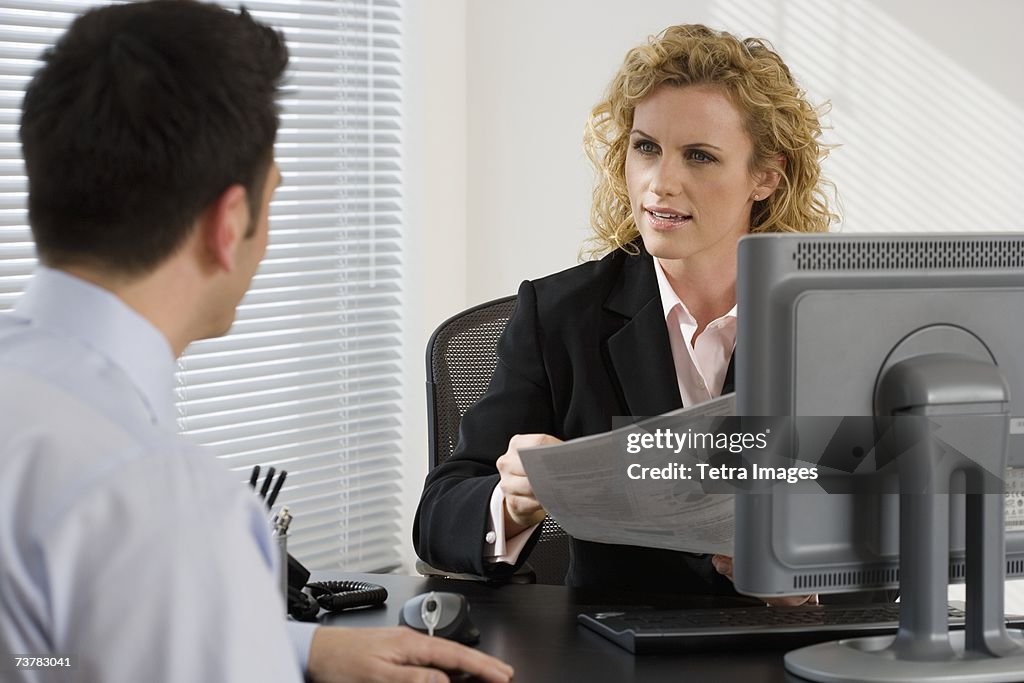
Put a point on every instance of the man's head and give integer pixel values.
(140, 119)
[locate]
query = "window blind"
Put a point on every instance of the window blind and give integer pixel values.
(309, 378)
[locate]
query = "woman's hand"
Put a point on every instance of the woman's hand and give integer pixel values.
(723, 565)
(522, 510)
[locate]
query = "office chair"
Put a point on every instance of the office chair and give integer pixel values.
(461, 357)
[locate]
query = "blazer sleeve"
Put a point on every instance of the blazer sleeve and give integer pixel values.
(448, 532)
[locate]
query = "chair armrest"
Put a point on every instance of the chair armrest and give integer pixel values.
(524, 574)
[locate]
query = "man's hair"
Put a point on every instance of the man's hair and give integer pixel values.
(778, 118)
(140, 117)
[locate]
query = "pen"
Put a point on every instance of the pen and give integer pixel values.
(276, 489)
(266, 483)
(255, 477)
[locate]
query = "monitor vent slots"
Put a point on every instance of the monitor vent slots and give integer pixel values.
(850, 579)
(910, 254)
(883, 577)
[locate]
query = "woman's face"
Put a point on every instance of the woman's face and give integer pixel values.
(688, 173)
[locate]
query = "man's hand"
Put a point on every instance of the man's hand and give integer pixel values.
(522, 510)
(723, 565)
(395, 655)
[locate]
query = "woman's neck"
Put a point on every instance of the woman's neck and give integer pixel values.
(705, 286)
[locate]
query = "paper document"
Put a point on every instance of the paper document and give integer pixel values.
(584, 485)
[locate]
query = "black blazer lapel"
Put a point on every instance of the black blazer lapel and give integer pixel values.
(639, 352)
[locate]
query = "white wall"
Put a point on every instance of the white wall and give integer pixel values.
(435, 210)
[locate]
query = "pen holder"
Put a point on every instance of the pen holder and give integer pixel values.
(282, 520)
(282, 566)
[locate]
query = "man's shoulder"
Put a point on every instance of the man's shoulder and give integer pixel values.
(37, 414)
(58, 377)
(64, 449)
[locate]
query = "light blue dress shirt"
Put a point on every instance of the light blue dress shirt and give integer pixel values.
(122, 545)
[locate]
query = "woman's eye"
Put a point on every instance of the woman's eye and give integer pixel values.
(701, 157)
(645, 147)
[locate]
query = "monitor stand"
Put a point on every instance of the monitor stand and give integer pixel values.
(938, 400)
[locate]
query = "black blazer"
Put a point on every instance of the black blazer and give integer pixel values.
(581, 347)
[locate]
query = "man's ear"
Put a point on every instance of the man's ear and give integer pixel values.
(223, 226)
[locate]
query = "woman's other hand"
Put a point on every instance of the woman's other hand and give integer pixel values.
(723, 565)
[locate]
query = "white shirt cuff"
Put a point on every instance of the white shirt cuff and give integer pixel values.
(497, 548)
(301, 635)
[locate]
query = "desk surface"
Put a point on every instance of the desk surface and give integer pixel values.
(534, 629)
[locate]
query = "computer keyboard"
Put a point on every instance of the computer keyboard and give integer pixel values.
(646, 631)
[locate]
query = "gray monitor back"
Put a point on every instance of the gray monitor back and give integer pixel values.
(818, 316)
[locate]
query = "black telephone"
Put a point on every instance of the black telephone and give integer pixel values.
(333, 596)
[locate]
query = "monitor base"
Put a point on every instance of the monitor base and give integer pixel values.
(871, 660)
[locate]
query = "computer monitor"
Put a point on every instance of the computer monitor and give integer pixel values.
(923, 327)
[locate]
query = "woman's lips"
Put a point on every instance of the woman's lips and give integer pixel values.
(666, 220)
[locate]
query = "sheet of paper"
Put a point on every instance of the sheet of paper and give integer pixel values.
(584, 485)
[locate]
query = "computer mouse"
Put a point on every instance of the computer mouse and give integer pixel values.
(448, 612)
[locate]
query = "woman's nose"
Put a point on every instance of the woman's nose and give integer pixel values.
(667, 180)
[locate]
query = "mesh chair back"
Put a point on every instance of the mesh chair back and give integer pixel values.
(461, 357)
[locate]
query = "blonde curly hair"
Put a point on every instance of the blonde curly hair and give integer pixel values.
(778, 119)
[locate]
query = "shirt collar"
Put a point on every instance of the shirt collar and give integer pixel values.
(59, 301)
(669, 298)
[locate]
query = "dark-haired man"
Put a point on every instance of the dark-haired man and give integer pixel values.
(148, 140)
